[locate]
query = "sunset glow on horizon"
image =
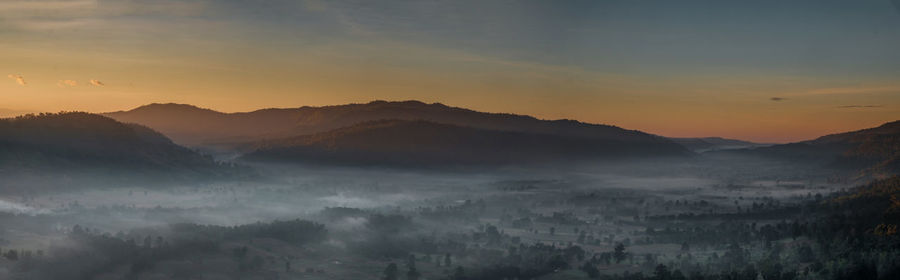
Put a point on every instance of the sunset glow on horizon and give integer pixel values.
(764, 71)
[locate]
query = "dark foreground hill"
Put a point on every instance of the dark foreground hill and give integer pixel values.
(426, 143)
(53, 144)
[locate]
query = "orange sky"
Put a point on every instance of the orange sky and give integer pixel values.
(678, 73)
(687, 106)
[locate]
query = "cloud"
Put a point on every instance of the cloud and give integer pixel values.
(776, 99)
(58, 5)
(19, 79)
(66, 83)
(858, 106)
(58, 15)
(856, 90)
(97, 83)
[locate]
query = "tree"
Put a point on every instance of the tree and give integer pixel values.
(591, 270)
(661, 272)
(557, 262)
(735, 255)
(805, 254)
(390, 272)
(619, 253)
(459, 274)
(447, 261)
(239, 253)
(750, 272)
(412, 274)
(11, 255)
(76, 230)
(411, 261)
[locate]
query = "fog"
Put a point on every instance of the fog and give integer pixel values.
(375, 216)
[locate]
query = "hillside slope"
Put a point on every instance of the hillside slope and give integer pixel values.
(192, 126)
(875, 151)
(71, 141)
(419, 142)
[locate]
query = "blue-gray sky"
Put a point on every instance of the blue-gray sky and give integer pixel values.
(760, 70)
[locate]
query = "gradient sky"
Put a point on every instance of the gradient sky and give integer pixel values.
(770, 71)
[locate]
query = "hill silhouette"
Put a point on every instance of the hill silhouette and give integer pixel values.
(427, 143)
(194, 126)
(74, 140)
(874, 150)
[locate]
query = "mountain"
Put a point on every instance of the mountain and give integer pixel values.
(74, 141)
(193, 126)
(705, 144)
(874, 150)
(427, 143)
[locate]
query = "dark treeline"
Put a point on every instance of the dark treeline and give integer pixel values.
(89, 254)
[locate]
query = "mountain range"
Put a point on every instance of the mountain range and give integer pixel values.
(396, 132)
(408, 133)
(190, 125)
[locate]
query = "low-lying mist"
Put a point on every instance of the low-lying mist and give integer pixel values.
(377, 214)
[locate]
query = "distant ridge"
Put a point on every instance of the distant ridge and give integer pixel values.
(705, 144)
(194, 126)
(426, 143)
(235, 132)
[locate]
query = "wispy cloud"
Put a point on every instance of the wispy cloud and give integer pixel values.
(859, 106)
(19, 79)
(97, 83)
(66, 83)
(855, 90)
(51, 24)
(315, 5)
(51, 15)
(29, 5)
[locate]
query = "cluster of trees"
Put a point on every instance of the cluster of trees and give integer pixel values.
(845, 236)
(91, 253)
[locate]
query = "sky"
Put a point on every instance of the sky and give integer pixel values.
(762, 70)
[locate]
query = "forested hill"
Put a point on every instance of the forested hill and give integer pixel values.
(425, 143)
(194, 126)
(872, 151)
(74, 140)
